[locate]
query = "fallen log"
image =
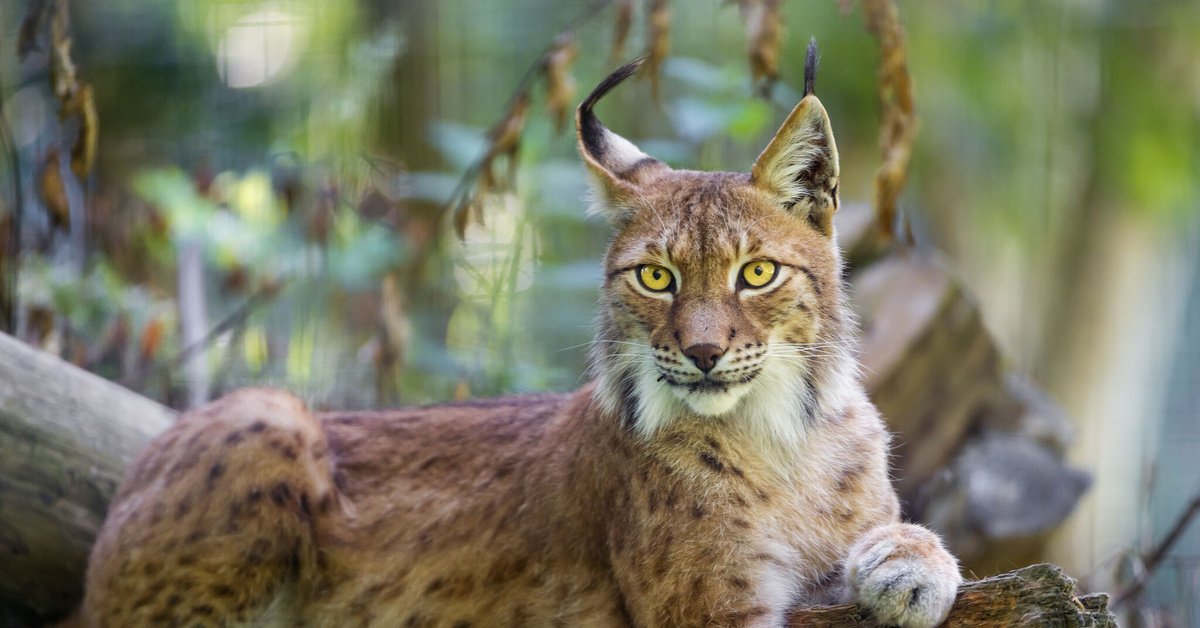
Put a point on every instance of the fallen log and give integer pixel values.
(1040, 595)
(66, 437)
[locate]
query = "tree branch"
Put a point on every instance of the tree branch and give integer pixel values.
(264, 295)
(462, 193)
(1155, 557)
(1034, 596)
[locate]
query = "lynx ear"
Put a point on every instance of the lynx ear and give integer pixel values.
(617, 167)
(800, 165)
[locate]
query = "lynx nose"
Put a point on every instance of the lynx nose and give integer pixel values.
(704, 356)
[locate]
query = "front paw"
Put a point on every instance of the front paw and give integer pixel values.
(903, 574)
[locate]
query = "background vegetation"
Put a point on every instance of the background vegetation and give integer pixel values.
(277, 185)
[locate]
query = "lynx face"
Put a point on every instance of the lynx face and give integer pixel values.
(722, 293)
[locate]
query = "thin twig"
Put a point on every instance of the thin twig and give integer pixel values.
(8, 300)
(1155, 557)
(461, 194)
(263, 296)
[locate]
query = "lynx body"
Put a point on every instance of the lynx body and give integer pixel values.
(723, 466)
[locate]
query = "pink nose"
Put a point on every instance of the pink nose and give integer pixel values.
(704, 356)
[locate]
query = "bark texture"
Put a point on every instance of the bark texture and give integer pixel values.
(65, 438)
(1039, 595)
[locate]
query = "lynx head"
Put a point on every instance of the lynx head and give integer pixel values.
(722, 297)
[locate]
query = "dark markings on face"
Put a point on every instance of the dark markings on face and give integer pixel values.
(628, 393)
(816, 285)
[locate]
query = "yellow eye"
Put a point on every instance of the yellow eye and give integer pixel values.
(654, 277)
(758, 274)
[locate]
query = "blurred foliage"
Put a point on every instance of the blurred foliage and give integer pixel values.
(250, 127)
(319, 153)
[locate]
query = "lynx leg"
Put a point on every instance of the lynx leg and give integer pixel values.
(904, 574)
(213, 522)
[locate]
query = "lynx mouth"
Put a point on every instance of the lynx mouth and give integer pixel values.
(701, 385)
(709, 396)
(710, 384)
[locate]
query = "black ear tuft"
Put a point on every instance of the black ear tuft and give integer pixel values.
(617, 167)
(591, 131)
(811, 60)
(611, 81)
(799, 168)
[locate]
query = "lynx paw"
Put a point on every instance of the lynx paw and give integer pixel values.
(904, 575)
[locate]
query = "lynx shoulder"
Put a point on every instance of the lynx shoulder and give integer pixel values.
(723, 465)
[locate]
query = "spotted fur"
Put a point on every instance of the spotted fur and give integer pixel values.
(660, 494)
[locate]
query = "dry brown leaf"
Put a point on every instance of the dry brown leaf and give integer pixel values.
(462, 215)
(74, 97)
(506, 136)
(393, 320)
(658, 43)
(394, 332)
(62, 70)
(54, 194)
(39, 325)
(321, 218)
(151, 341)
(621, 28)
(83, 153)
(156, 223)
(504, 140)
(764, 36)
(560, 87)
(78, 352)
(270, 286)
(898, 119)
(462, 390)
(237, 279)
(486, 181)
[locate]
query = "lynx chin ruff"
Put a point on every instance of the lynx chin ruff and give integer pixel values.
(723, 466)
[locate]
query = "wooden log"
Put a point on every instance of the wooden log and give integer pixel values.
(66, 437)
(944, 385)
(1040, 595)
(942, 382)
(929, 363)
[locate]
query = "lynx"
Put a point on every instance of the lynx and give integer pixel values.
(723, 466)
